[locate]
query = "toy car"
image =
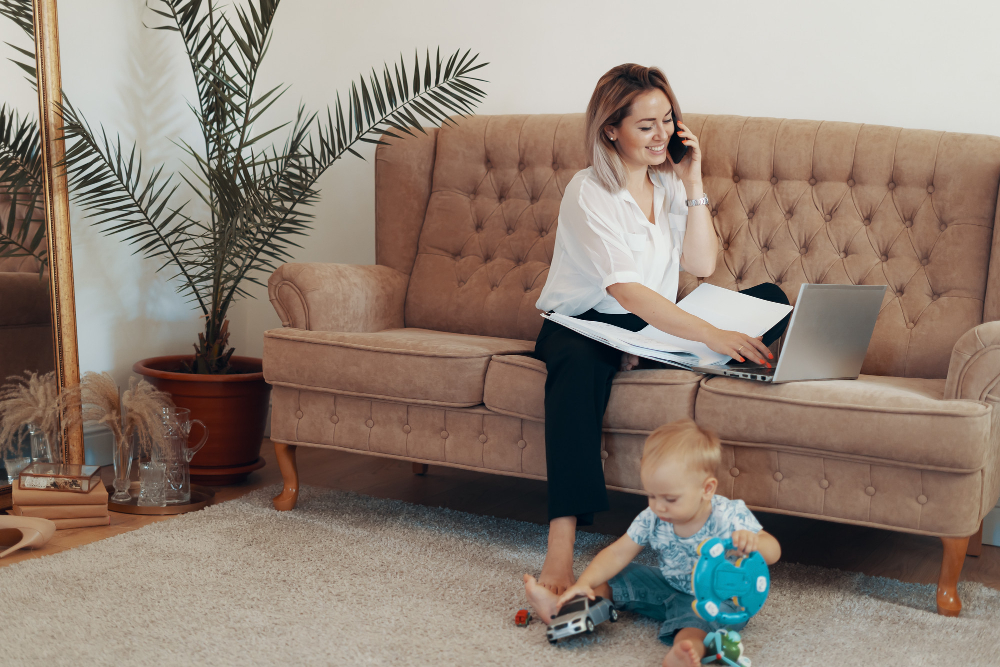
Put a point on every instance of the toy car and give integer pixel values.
(522, 618)
(579, 615)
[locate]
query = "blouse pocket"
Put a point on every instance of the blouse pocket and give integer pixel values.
(636, 242)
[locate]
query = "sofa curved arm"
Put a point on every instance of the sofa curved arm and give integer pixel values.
(974, 371)
(338, 297)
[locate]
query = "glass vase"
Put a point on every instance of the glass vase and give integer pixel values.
(40, 447)
(123, 467)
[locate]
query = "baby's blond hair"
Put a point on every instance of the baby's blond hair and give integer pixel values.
(684, 440)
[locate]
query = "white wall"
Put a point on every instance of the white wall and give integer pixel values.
(916, 64)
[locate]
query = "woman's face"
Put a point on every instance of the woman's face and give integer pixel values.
(642, 136)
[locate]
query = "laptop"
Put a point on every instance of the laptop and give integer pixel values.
(827, 337)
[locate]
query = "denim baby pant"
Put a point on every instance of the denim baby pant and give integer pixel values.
(644, 590)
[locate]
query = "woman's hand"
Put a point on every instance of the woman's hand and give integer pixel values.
(737, 345)
(629, 361)
(575, 590)
(689, 169)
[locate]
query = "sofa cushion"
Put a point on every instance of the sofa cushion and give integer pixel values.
(902, 420)
(412, 365)
(641, 400)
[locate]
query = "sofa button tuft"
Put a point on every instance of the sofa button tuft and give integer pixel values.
(542, 233)
(714, 212)
(824, 484)
(922, 499)
(335, 419)
(406, 428)
(884, 258)
(866, 222)
(774, 180)
(930, 189)
(725, 246)
(910, 325)
(369, 423)
(788, 216)
(444, 434)
(907, 223)
(521, 166)
(843, 254)
(749, 215)
(604, 455)
(850, 182)
(943, 227)
(509, 231)
(828, 217)
(934, 297)
(924, 262)
(803, 250)
(778, 477)
(522, 444)
(735, 472)
(298, 414)
(555, 165)
(483, 438)
(870, 491)
(891, 185)
(736, 179)
(461, 283)
(812, 181)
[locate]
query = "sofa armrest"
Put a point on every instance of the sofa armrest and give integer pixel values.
(974, 371)
(338, 297)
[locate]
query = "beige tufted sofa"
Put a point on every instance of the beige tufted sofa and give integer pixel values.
(25, 322)
(425, 356)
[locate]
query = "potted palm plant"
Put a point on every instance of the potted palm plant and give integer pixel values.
(251, 196)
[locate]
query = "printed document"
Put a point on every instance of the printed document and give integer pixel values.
(720, 307)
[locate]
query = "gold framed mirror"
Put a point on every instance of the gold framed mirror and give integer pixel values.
(37, 304)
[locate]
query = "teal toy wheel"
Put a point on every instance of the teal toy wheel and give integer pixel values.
(746, 582)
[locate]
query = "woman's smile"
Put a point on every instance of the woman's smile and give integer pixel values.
(657, 150)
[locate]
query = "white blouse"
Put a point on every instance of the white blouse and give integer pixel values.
(605, 238)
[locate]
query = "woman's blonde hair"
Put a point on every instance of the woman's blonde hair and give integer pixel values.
(697, 446)
(609, 105)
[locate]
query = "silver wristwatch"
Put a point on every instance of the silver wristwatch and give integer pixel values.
(703, 201)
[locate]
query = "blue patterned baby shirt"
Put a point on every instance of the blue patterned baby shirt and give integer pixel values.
(677, 555)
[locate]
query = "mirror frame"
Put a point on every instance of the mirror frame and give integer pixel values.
(55, 194)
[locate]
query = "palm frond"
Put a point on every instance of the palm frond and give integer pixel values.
(22, 232)
(256, 191)
(22, 14)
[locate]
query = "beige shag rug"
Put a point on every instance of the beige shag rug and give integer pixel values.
(353, 580)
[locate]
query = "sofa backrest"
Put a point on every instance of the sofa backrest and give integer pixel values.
(793, 202)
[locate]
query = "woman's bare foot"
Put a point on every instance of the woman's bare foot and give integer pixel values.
(682, 654)
(542, 600)
(557, 571)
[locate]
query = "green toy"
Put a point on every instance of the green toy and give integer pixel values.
(724, 647)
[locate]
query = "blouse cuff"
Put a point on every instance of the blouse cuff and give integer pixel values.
(620, 277)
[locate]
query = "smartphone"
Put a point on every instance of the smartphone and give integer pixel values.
(676, 147)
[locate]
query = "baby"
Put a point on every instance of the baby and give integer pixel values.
(678, 473)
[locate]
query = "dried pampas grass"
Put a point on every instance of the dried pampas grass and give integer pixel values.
(30, 399)
(137, 415)
(134, 416)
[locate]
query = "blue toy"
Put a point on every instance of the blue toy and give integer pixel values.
(714, 578)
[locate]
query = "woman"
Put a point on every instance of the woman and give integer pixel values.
(627, 225)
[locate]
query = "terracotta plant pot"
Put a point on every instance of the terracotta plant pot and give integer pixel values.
(234, 407)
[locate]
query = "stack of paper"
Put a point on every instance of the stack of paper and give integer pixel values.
(65, 509)
(718, 306)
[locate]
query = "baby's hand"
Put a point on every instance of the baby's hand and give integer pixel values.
(744, 542)
(575, 590)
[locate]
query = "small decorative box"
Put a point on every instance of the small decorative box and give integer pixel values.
(60, 477)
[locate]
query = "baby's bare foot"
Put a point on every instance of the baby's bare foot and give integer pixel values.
(683, 654)
(543, 600)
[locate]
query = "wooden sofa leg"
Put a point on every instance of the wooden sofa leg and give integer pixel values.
(286, 500)
(419, 468)
(976, 543)
(948, 603)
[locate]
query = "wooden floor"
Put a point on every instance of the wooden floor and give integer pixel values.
(900, 556)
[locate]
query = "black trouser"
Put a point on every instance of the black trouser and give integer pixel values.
(580, 371)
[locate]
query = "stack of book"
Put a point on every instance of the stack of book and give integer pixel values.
(68, 500)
